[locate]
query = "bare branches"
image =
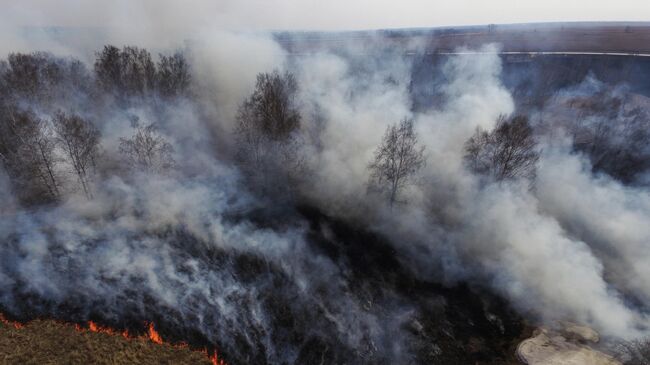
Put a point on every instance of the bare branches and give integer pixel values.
(131, 72)
(508, 152)
(42, 78)
(147, 150)
(79, 139)
(27, 152)
(270, 111)
(128, 72)
(173, 75)
(397, 159)
(267, 122)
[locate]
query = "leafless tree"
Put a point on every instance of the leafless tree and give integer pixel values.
(31, 75)
(147, 150)
(108, 68)
(139, 70)
(173, 75)
(397, 160)
(127, 72)
(130, 71)
(508, 152)
(42, 78)
(612, 130)
(266, 126)
(27, 152)
(43, 154)
(79, 139)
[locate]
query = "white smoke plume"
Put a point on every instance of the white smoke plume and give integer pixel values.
(196, 247)
(551, 250)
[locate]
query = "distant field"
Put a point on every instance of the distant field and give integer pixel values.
(555, 37)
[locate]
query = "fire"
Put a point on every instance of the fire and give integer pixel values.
(94, 327)
(214, 358)
(17, 325)
(153, 335)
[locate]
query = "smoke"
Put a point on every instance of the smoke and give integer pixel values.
(187, 249)
(556, 253)
(195, 250)
(311, 14)
(602, 212)
(165, 251)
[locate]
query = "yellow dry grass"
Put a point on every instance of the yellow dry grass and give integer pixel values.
(48, 342)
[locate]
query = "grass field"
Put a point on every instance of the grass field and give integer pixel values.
(45, 342)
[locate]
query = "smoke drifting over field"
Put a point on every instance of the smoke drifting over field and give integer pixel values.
(211, 259)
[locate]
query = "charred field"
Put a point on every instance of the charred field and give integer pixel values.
(390, 197)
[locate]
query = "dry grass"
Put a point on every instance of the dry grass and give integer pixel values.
(48, 342)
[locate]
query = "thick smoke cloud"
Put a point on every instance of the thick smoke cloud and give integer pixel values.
(195, 248)
(544, 249)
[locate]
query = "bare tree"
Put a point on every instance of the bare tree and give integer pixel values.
(108, 68)
(397, 159)
(127, 72)
(612, 130)
(139, 71)
(508, 152)
(267, 122)
(147, 150)
(31, 76)
(79, 139)
(27, 152)
(42, 152)
(173, 75)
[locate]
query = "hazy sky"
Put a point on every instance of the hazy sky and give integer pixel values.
(315, 14)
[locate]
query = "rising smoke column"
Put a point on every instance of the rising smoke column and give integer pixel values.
(168, 236)
(501, 234)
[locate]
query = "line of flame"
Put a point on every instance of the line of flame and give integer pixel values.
(152, 335)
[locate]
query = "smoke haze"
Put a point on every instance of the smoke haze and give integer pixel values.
(200, 251)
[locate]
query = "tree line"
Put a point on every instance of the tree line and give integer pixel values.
(48, 151)
(50, 132)
(269, 151)
(131, 71)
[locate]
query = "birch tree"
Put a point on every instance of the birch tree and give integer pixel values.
(397, 160)
(507, 152)
(268, 145)
(147, 150)
(27, 150)
(79, 140)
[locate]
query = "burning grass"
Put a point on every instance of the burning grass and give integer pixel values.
(50, 342)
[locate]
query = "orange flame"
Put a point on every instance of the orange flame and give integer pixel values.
(214, 359)
(17, 325)
(153, 335)
(92, 326)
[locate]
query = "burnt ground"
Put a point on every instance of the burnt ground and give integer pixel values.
(445, 325)
(454, 325)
